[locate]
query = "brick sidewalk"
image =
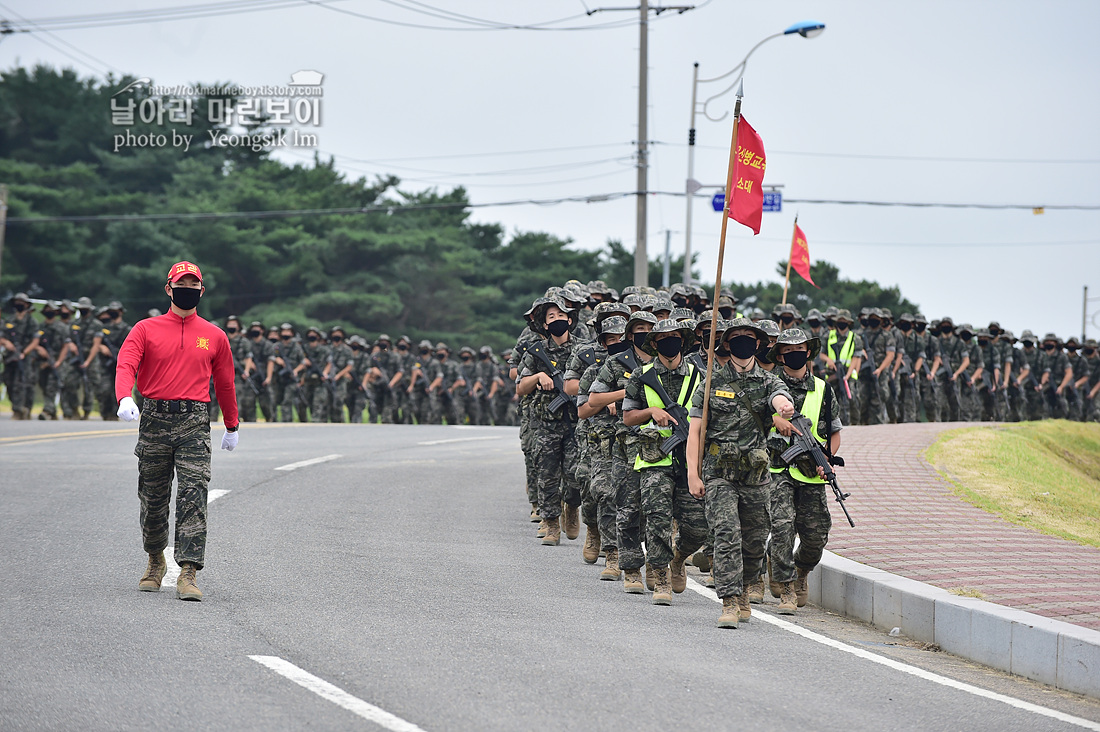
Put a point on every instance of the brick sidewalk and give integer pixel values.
(909, 522)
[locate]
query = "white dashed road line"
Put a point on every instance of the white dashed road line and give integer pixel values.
(172, 573)
(904, 667)
(336, 695)
(311, 461)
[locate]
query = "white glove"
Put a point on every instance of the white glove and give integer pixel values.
(229, 440)
(127, 410)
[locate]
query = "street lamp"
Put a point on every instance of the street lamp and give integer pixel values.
(806, 29)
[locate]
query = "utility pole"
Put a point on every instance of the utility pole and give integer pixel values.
(1084, 311)
(641, 260)
(668, 260)
(3, 220)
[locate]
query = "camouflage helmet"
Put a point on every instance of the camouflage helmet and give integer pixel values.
(701, 293)
(757, 314)
(648, 302)
(1072, 341)
(383, 337)
(965, 328)
(607, 310)
(20, 296)
(725, 301)
(815, 314)
(794, 337)
(67, 303)
(770, 328)
(466, 350)
(984, 333)
(736, 323)
(634, 300)
(614, 294)
(614, 325)
(405, 339)
(153, 313)
(116, 305)
(1051, 337)
(947, 320)
(640, 317)
(780, 310)
(906, 318)
(831, 312)
(864, 312)
(1089, 342)
(84, 303)
(1009, 336)
(668, 325)
(632, 290)
(336, 329)
(310, 329)
(994, 324)
(598, 287)
(663, 303)
(682, 314)
(256, 324)
(574, 293)
(919, 318)
(886, 313)
(286, 326)
(425, 344)
(845, 315)
(441, 346)
(572, 283)
(1027, 335)
(679, 289)
(538, 317)
(228, 318)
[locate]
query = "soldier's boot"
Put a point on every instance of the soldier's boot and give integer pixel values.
(730, 615)
(662, 589)
(154, 573)
(701, 562)
(591, 551)
(708, 578)
(650, 577)
(553, 533)
(632, 582)
(776, 588)
(542, 528)
(677, 574)
(611, 571)
(743, 606)
(801, 590)
(535, 518)
(186, 589)
(754, 592)
(571, 521)
(788, 602)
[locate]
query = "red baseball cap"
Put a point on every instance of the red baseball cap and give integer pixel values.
(179, 269)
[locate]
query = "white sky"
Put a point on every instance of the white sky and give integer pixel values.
(1014, 82)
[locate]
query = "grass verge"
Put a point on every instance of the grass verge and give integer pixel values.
(1043, 475)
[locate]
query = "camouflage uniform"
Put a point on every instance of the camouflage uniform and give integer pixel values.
(340, 357)
(909, 352)
(735, 471)
(989, 383)
(485, 376)
(357, 395)
(1052, 366)
(180, 444)
(952, 353)
(241, 348)
(875, 390)
(72, 375)
(381, 398)
(1029, 362)
(584, 357)
(292, 354)
(598, 498)
(441, 397)
(261, 355)
(969, 405)
(418, 401)
(18, 373)
(1076, 397)
(114, 333)
(930, 347)
(52, 336)
(836, 347)
(403, 361)
(664, 489)
(315, 391)
(1092, 406)
(465, 401)
(797, 507)
(92, 330)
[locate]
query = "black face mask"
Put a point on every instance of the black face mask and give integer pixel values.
(1028, 344)
(994, 332)
(402, 347)
(356, 348)
(742, 346)
(186, 298)
(483, 357)
(105, 321)
(19, 307)
(919, 327)
(786, 320)
(1088, 351)
(286, 337)
(384, 346)
(983, 344)
(255, 333)
(815, 324)
(874, 323)
(946, 330)
(842, 326)
(232, 331)
(337, 339)
(66, 316)
(558, 328)
(670, 347)
(49, 315)
(904, 327)
(272, 340)
(425, 351)
(680, 302)
(863, 322)
(114, 314)
(795, 359)
(1048, 346)
(465, 359)
(967, 337)
(617, 348)
(441, 356)
(830, 323)
(1071, 351)
(699, 307)
(725, 312)
(722, 351)
(312, 339)
(762, 354)
(638, 339)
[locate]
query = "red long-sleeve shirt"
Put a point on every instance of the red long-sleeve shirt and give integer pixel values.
(173, 358)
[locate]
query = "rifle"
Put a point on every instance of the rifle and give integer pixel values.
(947, 382)
(675, 410)
(561, 399)
(247, 379)
(324, 380)
(805, 444)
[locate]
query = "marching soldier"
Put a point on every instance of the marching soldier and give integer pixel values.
(337, 370)
(20, 340)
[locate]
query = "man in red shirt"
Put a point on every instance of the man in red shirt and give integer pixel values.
(172, 358)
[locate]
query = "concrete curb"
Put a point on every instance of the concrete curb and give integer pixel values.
(1051, 651)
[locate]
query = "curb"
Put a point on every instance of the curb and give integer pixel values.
(1043, 649)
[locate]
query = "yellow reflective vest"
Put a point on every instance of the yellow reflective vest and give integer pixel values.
(654, 401)
(811, 410)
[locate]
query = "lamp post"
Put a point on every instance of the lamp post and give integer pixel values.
(806, 29)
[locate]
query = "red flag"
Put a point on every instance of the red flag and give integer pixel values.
(747, 195)
(800, 255)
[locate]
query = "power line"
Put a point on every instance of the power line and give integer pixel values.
(104, 67)
(910, 158)
(181, 12)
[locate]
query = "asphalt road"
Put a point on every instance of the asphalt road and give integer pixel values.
(405, 573)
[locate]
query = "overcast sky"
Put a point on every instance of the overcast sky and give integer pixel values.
(931, 102)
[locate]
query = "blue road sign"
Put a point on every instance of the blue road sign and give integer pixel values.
(773, 201)
(718, 202)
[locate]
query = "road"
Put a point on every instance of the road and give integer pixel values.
(401, 582)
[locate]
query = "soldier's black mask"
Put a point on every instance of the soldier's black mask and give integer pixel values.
(639, 339)
(983, 344)
(337, 339)
(786, 319)
(441, 355)
(742, 346)
(272, 340)
(286, 337)
(919, 327)
(231, 331)
(1048, 346)
(874, 323)
(669, 347)
(425, 351)
(312, 339)
(725, 312)
(402, 347)
(967, 337)
(19, 307)
(795, 359)
(483, 357)
(558, 328)
(842, 326)
(616, 348)
(1088, 351)
(255, 333)
(384, 346)
(904, 327)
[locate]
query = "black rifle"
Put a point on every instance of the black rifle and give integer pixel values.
(948, 383)
(561, 399)
(324, 380)
(247, 379)
(77, 361)
(675, 410)
(805, 444)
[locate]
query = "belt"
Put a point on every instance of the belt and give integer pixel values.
(174, 406)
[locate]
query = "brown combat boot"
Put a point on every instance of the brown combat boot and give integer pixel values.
(591, 551)
(553, 533)
(677, 574)
(632, 582)
(611, 571)
(535, 518)
(754, 592)
(701, 562)
(776, 588)
(662, 588)
(650, 577)
(743, 606)
(801, 590)
(570, 521)
(154, 573)
(708, 578)
(729, 616)
(788, 602)
(542, 528)
(186, 589)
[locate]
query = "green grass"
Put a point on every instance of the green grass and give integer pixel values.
(1043, 475)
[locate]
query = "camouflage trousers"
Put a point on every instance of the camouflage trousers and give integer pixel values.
(800, 509)
(908, 409)
(987, 399)
(50, 385)
(316, 396)
(970, 409)
(628, 506)
(484, 409)
(738, 515)
(416, 408)
(665, 498)
(874, 392)
(527, 445)
(357, 402)
(402, 414)
(382, 406)
(105, 392)
(439, 406)
(1092, 410)
(180, 444)
(1055, 404)
(71, 380)
(601, 489)
(15, 381)
(292, 399)
(555, 451)
(89, 388)
(949, 404)
(843, 403)
(928, 399)
(246, 400)
(338, 399)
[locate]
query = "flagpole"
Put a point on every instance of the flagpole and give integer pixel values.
(721, 257)
(794, 236)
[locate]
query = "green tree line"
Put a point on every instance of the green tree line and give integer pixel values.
(420, 267)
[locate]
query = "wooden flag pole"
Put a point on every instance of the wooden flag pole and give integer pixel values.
(721, 257)
(787, 282)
